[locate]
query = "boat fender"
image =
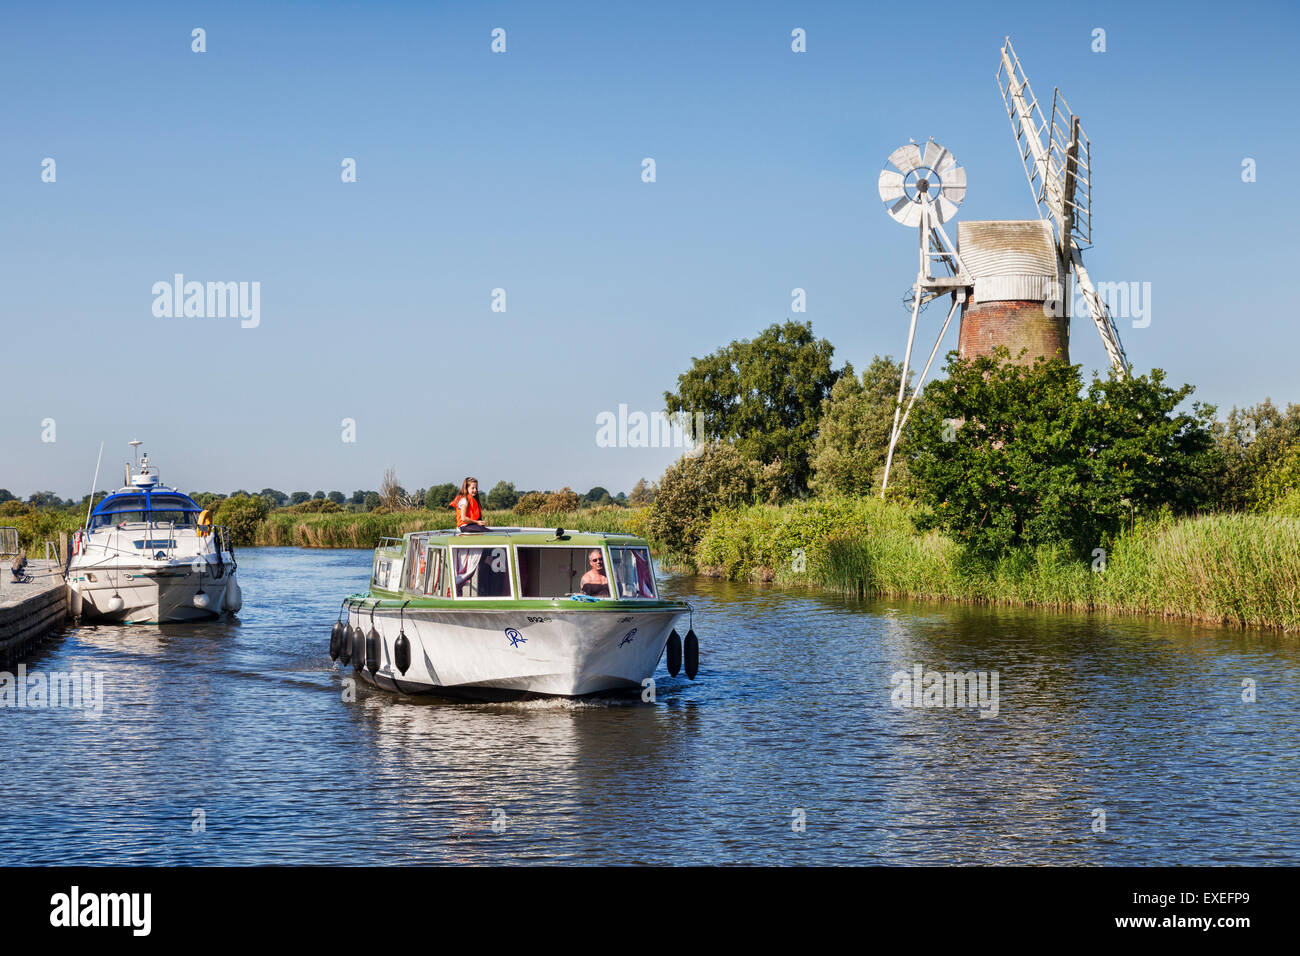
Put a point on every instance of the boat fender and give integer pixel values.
(358, 648)
(336, 638)
(372, 650)
(201, 600)
(402, 646)
(115, 604)
(674, 652)
(234, 599)
(692, 654)
(74, 601)
(402, 653)
(345, 645)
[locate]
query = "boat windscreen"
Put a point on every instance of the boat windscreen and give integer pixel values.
(174, 509)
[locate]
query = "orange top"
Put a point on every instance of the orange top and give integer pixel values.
(472, 511)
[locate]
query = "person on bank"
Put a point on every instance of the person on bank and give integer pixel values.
(594, 582)
(19, 565)
(469, 514)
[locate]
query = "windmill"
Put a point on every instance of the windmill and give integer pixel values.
(1057, 157)
(1009, 277)
(924, 189)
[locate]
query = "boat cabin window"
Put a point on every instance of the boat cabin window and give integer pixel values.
(417, 565)
(480, 572)
(380, 577)
(435, 577)
(125, 508)
(558, 572)
(632, 573)
(173, 509)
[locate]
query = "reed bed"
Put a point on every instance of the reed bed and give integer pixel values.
(364, 529)
(1235, 569)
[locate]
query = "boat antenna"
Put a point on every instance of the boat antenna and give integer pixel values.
(91, 503)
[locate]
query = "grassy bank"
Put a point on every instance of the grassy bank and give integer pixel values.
(1233, 569)
(363, 530)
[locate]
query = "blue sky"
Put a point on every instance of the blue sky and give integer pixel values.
(522, 171)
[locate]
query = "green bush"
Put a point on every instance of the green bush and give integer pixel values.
(698, 485)
(1008, 456)
(560, 502)
(242, 514)
(530, 503)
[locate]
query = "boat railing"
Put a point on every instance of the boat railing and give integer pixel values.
(393, 542)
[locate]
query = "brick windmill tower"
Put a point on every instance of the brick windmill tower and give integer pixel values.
(1010, 278)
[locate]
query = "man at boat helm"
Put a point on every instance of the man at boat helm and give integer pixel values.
(469, 515)
(594, 582)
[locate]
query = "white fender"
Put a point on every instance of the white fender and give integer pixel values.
(234, 599)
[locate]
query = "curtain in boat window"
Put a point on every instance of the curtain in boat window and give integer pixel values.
(467, 562)
(644, 576)
(633, 573)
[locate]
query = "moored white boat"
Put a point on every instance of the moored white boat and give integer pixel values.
(502, 615)
(145, 558)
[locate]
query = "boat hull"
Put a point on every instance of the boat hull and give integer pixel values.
(500, 655)
(148, 595)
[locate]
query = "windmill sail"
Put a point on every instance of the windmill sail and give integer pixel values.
(1057, 157)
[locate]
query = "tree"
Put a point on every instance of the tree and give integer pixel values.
(530, 502)
(298, 497)
(338, 498)
(502, 497)
(440, 496)
(319, 496)
(1254, 444)
(45, 499)
(564, 500)
(1007, 455)
(277, 499)
(358, 497)
(5, 495)
(643, 493)
(597, 496)
(371, 500)
(763, 396)
(242, 514)
(394, 496)
(848, 456)
(697, 485)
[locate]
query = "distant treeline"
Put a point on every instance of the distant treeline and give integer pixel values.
(504, 496)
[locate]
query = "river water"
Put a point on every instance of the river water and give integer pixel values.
(1116, 741)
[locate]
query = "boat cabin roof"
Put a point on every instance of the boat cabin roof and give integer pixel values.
(528, 536)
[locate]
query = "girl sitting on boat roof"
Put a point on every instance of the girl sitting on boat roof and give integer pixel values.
(469, 515)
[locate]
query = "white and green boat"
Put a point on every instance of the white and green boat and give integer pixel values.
(511, 613)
